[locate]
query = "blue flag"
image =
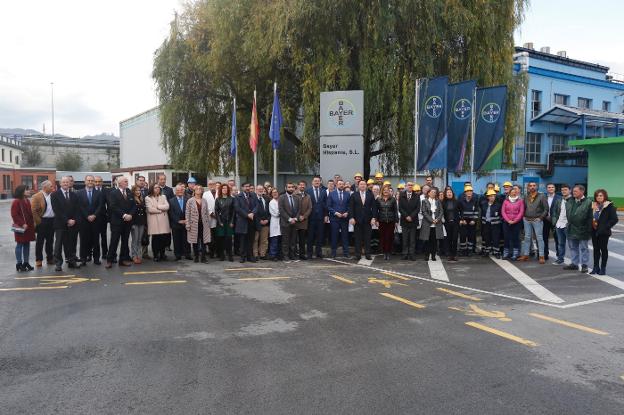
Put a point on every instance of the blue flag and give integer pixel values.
(460, 97)
(233, 143)
(432, 139)
(276, 122)
(490, 126)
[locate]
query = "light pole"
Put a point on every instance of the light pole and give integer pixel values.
(52, 95)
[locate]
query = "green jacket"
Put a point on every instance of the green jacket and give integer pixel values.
(579, 218)
(555, 209)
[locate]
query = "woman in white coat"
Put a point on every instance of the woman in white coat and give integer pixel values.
(275, 250)
(157, 209)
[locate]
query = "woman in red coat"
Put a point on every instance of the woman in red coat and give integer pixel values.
(22, 218)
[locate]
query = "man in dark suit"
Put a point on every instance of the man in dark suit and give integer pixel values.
(177, 221)
(409, 207)
(553, 199)
(64, 204)
(362, 213)
(316, 221)
(261, 239)
(288, 205)
(245, 208)
(338, 209)
(101, 231)
(164, 189)
(121, 207)
(89, 205)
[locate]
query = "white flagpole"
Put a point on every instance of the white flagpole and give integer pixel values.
(236, 176)
(416, 125)
(473, 127)
(274, 151)
(256, 152)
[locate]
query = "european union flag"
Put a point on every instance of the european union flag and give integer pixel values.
(233, 143)
(276, 122)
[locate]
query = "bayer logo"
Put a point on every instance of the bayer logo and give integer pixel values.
(433, 106)
(462, 109)
(490, 112)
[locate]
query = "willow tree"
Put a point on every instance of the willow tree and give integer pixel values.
(218, 49)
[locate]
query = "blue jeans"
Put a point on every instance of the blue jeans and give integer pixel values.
(22, 251)
(579, 251)
(562, 237)
(536, 226)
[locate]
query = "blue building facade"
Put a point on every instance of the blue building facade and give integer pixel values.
(566, 99)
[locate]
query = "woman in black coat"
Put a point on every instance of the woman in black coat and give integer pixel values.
(604, 218)
(451, 222)
(387, 216)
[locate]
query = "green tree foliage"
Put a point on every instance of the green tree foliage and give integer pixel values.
(218, 49)
(100, 166)
(69, 161)
(31, 157)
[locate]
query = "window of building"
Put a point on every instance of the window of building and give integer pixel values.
(6, 181)
(584, 103)
(536, 103)
(533, 148)
(2, 154)
(562, 99)
(10, 156)
(27, 181)
(558, 142)
(606, 105)
(41, 179)
(16, 159)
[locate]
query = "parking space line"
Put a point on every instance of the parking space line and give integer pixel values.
(611, 254)
(402, 300)
(392, 274)
(343, 279)
(501, 333)
(263, 278)
(604, 278)
(529, 283)
(150, 272)
(45, 277)
(595, 300)
(437, 271)
(155, 282)
(458, 294)
(34, 288)
(569, 324)
(248, 269)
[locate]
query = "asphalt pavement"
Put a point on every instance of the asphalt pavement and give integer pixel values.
(478, 336)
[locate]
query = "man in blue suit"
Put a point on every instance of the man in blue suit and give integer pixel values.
(338, 209)
(245, 208)
(362, 214)
(317, 218)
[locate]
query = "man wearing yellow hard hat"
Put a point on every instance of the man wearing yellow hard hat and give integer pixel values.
(491, 222)
(468, 216)
(356, 179)
(379, 178)
(369, 184)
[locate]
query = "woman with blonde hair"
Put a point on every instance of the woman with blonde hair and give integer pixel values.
(158, 222)
(198, 223)
(139, 221)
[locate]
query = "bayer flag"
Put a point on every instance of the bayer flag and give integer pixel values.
(460, 104)
(276, 122)
(233, 143)
(488, 140)
(432, 139)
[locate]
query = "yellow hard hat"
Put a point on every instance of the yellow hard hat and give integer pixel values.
(507, 184)
(387, 183)
(358, 175)
(416, 187)
(378, 175)
(490, 193)
(401, 186)
(468, 189)
(370, 181)
(497, 188)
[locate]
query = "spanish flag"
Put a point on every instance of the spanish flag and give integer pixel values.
(254, 128)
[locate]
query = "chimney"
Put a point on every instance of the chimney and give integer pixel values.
(528, 45)
(562, 53)
(545, 49)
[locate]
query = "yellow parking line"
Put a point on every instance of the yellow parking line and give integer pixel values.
(343, 279)
(150, 272)
(458, 294)
(155, 282)
(33, 288)
(247, 269)
(392, 274)
(569, 324)
(45, 277)
(263, 278)
(503, 334)
(402, 300)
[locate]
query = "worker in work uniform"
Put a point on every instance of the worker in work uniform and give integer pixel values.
(468, 217)
(369, 185)
(379, 179)
(357, 177)
(490, 224)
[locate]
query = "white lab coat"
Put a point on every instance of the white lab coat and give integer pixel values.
(274, 224)
(211, 207)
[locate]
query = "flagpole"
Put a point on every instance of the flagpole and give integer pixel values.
(416, 125)
(236, 176)
(256, 154)
(274, 150)
(473, 127)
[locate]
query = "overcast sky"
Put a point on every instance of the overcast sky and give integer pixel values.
(99, 55)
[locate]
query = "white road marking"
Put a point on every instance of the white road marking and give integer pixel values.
(595, 300)
(611, 254)
(604, 278)
(616, 240)
(529, 283)
(366, 262)
(437, 271)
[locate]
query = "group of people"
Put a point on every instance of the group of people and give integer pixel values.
(262, 222)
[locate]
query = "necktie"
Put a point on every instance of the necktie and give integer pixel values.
(180, 203)
(409, 196)
(316, 195)
(363, 197)
(89, 195)
(66, 195)
(292, 206)
(340, 196)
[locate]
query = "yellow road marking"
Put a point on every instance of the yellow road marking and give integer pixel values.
(155, 282)
(458, 294)
(247, 269)
(569, 324)
(473, 310)
(402, 300)
(392, 274)
(503, 334)
(385, 283)
(33, 288)
(263, 278)
(149, 272)
(44, 277)
(343, 279)
(68, 281)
